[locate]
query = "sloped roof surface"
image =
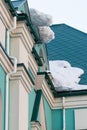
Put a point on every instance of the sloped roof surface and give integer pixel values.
(18, 3)
(70, 45)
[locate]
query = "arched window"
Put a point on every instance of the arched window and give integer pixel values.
(0, 111)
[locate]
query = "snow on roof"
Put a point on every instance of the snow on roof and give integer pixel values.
(65, 77)
(46, 34)
(43, 22)
(39, 18)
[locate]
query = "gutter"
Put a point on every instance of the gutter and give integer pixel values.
(14, 60)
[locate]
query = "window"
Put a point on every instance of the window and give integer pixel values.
(81, 119)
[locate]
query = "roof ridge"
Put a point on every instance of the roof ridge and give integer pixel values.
(69, 26)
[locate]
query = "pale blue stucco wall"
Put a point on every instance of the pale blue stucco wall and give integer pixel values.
(48, 115)
(70, 119)
(3, 93)
(31, 100)
(57, 119)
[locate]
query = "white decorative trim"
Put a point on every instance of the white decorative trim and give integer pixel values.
(47, 93)
(5, 62)
(35, 125)
(23, 77)
(76, 101)
(71, 102)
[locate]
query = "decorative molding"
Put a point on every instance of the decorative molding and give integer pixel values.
(21, 74)
(76, 101)
(5, 61)
(48, 94)
(32, 63)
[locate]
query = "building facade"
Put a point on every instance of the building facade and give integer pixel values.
(28, 100)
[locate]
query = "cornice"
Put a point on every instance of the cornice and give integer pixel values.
(48, 94)
(23, 76)
(33, 28)
(21, 73)
(71, 101)
(32, 61)
(23, 32)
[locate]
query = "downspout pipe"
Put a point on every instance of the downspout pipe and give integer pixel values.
(64, 118)
(8, 34)
(14, 60)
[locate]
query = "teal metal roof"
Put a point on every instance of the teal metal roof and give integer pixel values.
(18, 3)
(69, 44)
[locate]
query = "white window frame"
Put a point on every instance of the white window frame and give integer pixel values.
(81, 119)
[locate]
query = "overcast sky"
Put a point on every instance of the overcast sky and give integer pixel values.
(71, 12)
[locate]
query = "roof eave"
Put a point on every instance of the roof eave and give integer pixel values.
(23, 16)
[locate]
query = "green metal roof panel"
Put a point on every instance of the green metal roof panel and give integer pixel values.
(18, 3)
(71, 45)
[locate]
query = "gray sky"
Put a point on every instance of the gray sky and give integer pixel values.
(71, 12)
